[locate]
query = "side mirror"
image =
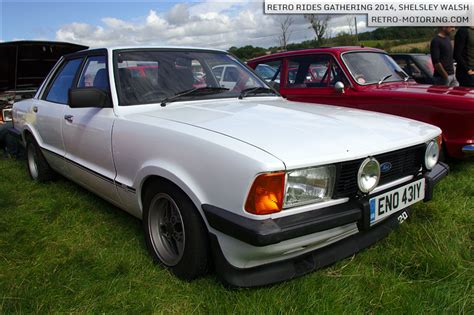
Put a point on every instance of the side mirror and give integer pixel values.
(339, 87)
(88, 97)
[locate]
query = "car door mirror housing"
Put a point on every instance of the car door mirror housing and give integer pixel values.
(339, 87)
(88, 97)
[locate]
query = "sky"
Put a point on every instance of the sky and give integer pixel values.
(207, 23)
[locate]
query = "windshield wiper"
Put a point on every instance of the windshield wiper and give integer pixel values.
(385, 78)
(255, 90)
(403, 74)
(207, 90)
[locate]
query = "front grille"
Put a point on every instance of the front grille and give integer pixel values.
(404, 162)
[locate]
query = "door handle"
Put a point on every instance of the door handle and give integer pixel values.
(69, 118)
(35, 109)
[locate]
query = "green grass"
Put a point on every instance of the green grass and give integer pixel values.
(64, 250)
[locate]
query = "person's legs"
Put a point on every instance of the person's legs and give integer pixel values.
(452, 80)
(440, 81)
(464, 79)
(470, 81)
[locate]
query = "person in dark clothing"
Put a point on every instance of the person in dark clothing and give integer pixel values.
(464, 55)
(442, 57)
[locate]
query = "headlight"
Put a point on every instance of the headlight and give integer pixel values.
(369, 175)
(431, 154)
(309, 185)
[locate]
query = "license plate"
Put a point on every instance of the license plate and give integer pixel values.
(390, 202)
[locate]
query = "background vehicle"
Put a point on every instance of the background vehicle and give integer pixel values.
(418, 66)
(369, 79)
(23, 67)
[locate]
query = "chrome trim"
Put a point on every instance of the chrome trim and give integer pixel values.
(3, 114)
(468, 149)
(391, 184)
(371, 51)
(361, 168)
(308, 207)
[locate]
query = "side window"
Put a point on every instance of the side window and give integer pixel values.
(414, 70)
(217, 72)
(95, 73)
(231, 74)
(403, 63)
(58, 92)
(337, 75)
(269, 71)
(308, 71)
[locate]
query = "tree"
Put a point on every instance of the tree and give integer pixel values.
(319, 24)
(285, 24)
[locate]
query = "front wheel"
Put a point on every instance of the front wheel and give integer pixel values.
(174, 231)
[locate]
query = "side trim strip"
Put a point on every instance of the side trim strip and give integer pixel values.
(92, 172)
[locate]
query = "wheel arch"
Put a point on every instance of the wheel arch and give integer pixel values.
(154, 178)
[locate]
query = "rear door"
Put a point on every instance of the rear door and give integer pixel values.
(87, 133)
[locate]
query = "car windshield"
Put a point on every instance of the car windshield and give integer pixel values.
(152, 76)
(372, 67)
(424, 61)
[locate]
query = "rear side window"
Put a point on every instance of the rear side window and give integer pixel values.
(231, 74)
(58, 93)
(95, 74)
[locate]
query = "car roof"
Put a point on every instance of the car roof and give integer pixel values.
(410, 54)
(334, 50)
(114, 48)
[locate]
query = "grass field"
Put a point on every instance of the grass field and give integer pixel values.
(64, 250)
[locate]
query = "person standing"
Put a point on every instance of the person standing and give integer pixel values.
(442, 57)
(464, 56)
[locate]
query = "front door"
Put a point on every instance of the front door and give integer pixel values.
(312, 78)
(87, 134)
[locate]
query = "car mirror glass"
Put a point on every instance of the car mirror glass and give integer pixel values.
(88, 97)
(339, 87)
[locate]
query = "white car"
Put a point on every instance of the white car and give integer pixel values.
(264, 188)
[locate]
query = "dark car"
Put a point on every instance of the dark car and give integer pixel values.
(23, 67)
(418, 66)
(368, 78)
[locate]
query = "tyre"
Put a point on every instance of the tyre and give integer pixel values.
(38, 167)
(175, 233)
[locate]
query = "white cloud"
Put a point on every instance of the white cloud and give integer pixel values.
(217, 24)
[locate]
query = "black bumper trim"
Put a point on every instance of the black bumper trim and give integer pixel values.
(301, 265)
(433, 177)
(271, 231)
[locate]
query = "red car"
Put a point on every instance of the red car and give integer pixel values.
(368, 78)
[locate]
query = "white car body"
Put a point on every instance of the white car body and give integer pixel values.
(212, 150)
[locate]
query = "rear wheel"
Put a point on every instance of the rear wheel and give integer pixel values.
(174, 231)
(38, 167)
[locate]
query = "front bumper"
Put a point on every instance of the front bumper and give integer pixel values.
(261, 233)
